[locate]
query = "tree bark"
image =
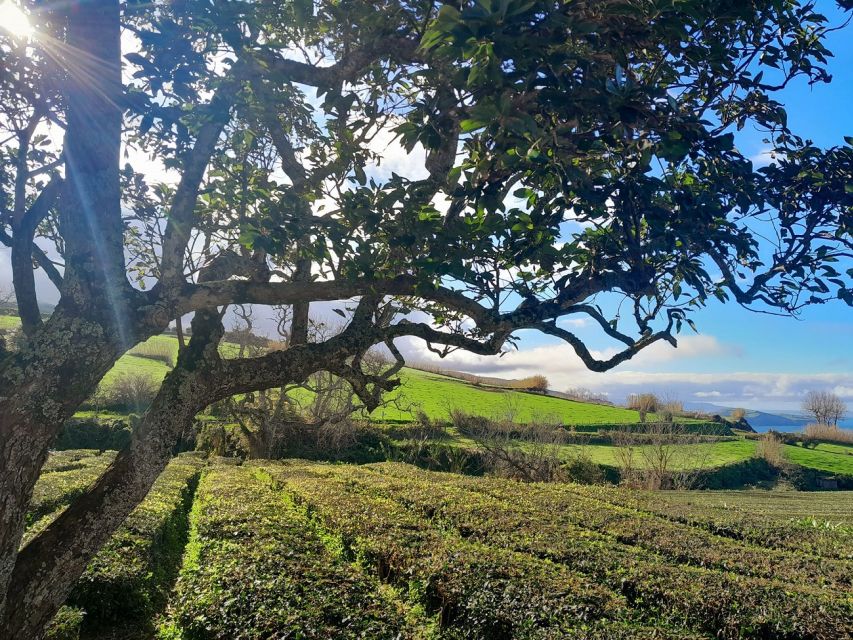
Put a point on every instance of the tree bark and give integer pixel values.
(50, 564)
(64, 359)
(40, 388)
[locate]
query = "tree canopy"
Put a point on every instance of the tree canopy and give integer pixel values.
(575, 158)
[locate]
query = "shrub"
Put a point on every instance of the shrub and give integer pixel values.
(827, 433)
(94, 434)
(131, 576)
(753, 472)
(127, 391)
(468, 423)
(256, 569)
(643, 403)
(770, 448)
(65, 624)
(537, 383)
(583, 470)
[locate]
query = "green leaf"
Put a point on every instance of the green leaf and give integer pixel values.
(469, 125)
(303, 10)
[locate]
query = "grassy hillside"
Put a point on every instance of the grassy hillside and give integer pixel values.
(9, 322)
(437, 395)
(833, 458)
(294, 549)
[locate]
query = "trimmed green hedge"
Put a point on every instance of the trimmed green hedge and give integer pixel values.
(65, 625)
(94, 434)
(255, 568)
(804, 523)
(668, 574)
(698, 428)
(131, 576)
(476, 590)
(737, 475)
(64, 477)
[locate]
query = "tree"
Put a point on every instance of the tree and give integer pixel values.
(577, 159)
(826, 407)
(644, 403)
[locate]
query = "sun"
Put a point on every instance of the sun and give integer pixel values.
(14, 20)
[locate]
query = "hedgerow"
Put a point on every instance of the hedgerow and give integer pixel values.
(131, 576)
(656, 587)
(65, 478)
(764, 523)
(255, 568)
(478, 590)
(306, 550)
(65, 624)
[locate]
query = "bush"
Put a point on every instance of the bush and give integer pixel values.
(65, 624)
(770, 448)
(94, 434)
(499, 444)
(753, 472)
(815, 433)
(583, 470)
(126, 391)
(537, 383)
(466, 423)
(131, 576)
(256, 569)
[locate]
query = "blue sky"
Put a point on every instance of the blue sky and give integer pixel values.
(739, 358)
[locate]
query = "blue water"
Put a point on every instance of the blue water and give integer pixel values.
(787, 428)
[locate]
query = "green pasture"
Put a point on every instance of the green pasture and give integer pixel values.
(438, 395)
(834, 458)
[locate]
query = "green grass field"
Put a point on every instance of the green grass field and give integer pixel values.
(388, 551)
(438, 395)
(433, 394)
(9, 322)
(834, 458)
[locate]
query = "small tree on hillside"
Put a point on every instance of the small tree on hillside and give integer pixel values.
(826, 407)
(643, 403)
(537, 384)
(738, 415)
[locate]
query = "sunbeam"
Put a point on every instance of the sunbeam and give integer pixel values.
(14, 21)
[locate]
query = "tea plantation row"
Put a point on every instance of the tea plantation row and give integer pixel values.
(307, 550)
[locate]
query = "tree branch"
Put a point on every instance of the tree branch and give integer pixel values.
(179, 226)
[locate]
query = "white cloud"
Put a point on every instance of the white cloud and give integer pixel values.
(648, 372)
(763, 157)
(394, 158)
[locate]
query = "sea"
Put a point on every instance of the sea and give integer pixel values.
(788, 428)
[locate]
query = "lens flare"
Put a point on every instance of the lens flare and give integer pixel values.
(14, 21)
